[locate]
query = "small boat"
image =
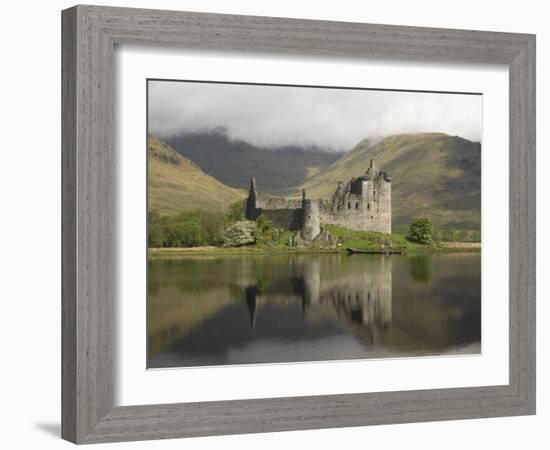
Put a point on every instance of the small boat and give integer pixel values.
(381, 251)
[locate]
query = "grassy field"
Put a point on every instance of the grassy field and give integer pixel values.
(370, 240)
(176, 184)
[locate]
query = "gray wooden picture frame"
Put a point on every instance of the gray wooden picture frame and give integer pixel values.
(90, 34)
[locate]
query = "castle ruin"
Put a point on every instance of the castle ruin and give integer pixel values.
(363, 204)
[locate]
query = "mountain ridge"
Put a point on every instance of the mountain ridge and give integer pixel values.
(234, 162)
(434, 175)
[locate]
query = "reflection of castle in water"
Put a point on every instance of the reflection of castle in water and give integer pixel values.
(360, 300)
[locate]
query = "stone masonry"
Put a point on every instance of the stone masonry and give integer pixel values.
(362, 204)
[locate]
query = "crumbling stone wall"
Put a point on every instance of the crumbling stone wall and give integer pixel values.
(363, 204)
(290, 219)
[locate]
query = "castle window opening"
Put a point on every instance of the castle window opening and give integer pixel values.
(349, 205)
(368, 206)
(356, 205)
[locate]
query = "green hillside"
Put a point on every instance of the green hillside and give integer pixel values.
(176, 184)
(434, 175)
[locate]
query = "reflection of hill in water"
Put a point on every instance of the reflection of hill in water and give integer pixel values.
(389, 305)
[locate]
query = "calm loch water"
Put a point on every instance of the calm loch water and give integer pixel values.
(215, 310)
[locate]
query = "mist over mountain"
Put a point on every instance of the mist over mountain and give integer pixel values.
(268, 116)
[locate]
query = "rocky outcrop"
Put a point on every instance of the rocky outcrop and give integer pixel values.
(323, 240)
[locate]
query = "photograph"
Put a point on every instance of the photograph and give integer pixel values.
(294, 224)
(275, 225)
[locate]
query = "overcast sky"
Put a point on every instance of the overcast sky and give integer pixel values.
(271, 116)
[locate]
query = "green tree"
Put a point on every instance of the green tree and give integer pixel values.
(186, 229)
(186, 234)
(211, 224)
(236, 211)
(155, 231)
(264, 229)
(421, 231)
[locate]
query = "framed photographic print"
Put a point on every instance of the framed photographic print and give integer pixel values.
(279, 224)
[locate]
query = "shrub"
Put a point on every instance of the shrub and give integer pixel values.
(263, 224)
(457, 235)
(264, 229)
(240, 233)
(421, 231)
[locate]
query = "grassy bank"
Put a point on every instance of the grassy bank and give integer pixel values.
(370, 240)
(447, 247)
(366, 240)
(244, 250)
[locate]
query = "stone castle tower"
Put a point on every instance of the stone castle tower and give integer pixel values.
(362, 204)
(311, 222)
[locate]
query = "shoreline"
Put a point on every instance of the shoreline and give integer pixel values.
(442, 247)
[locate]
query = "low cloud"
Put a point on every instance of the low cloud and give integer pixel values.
(337, 119)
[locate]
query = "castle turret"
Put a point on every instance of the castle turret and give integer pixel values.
(251, 200)
(373, 171)
(311, 224)
(376, 193)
